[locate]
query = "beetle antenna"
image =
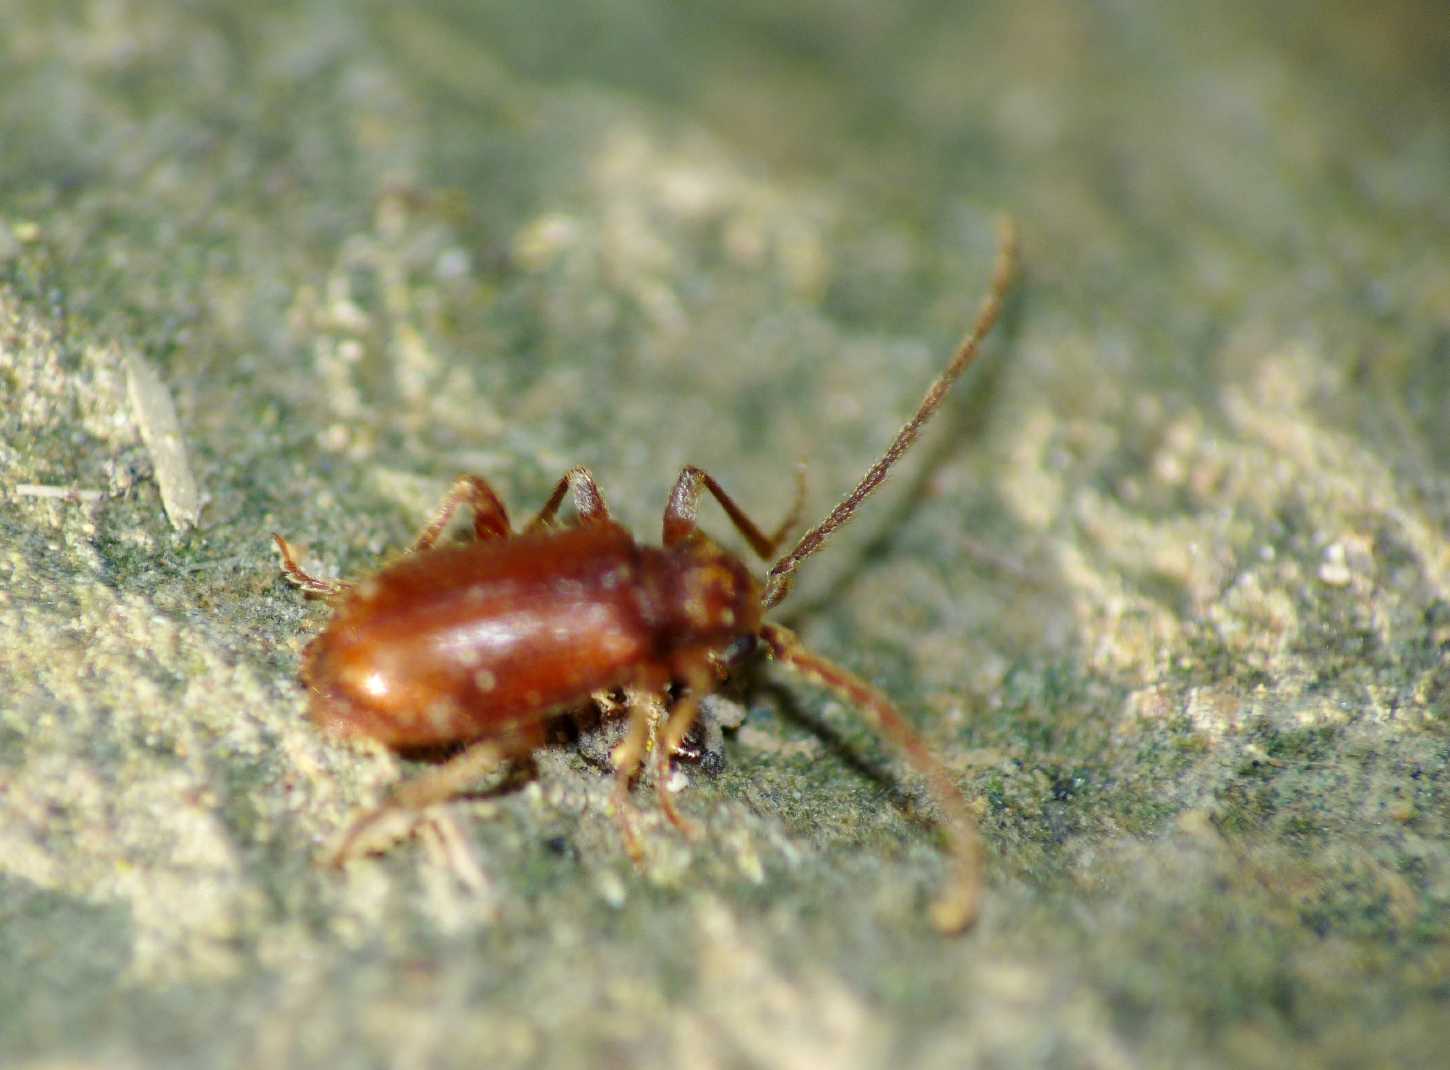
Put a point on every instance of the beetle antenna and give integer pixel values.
(778, 581)
(956, 906)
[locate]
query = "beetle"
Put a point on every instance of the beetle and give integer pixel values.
(481, 643)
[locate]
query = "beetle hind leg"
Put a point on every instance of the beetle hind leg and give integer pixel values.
(298, 576)
(404, 811)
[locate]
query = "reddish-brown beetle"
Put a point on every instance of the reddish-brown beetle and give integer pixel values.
(481, 643)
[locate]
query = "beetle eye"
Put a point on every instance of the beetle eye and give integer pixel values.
(740, 649)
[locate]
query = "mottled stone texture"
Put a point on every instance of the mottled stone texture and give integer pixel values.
(1168, 585)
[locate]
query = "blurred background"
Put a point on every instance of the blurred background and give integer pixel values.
(1167, 585)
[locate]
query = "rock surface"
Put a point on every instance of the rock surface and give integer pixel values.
(1168, 586)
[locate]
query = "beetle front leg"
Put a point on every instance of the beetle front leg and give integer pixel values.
(685, 503)
(699, 681)
(644, 710)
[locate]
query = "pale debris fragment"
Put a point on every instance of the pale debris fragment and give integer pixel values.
(67, 494)
(160, 430)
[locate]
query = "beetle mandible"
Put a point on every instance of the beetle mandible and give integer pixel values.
(481, 643)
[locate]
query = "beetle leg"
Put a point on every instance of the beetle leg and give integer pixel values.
(605, 701)
(627, 755)
(400, 814)
(685, 503)
(588, 502)
(297, 575)
(447, 848)
(956, 907)
(699, 680)
(490, 518)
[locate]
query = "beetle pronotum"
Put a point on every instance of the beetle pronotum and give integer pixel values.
(480, 643)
